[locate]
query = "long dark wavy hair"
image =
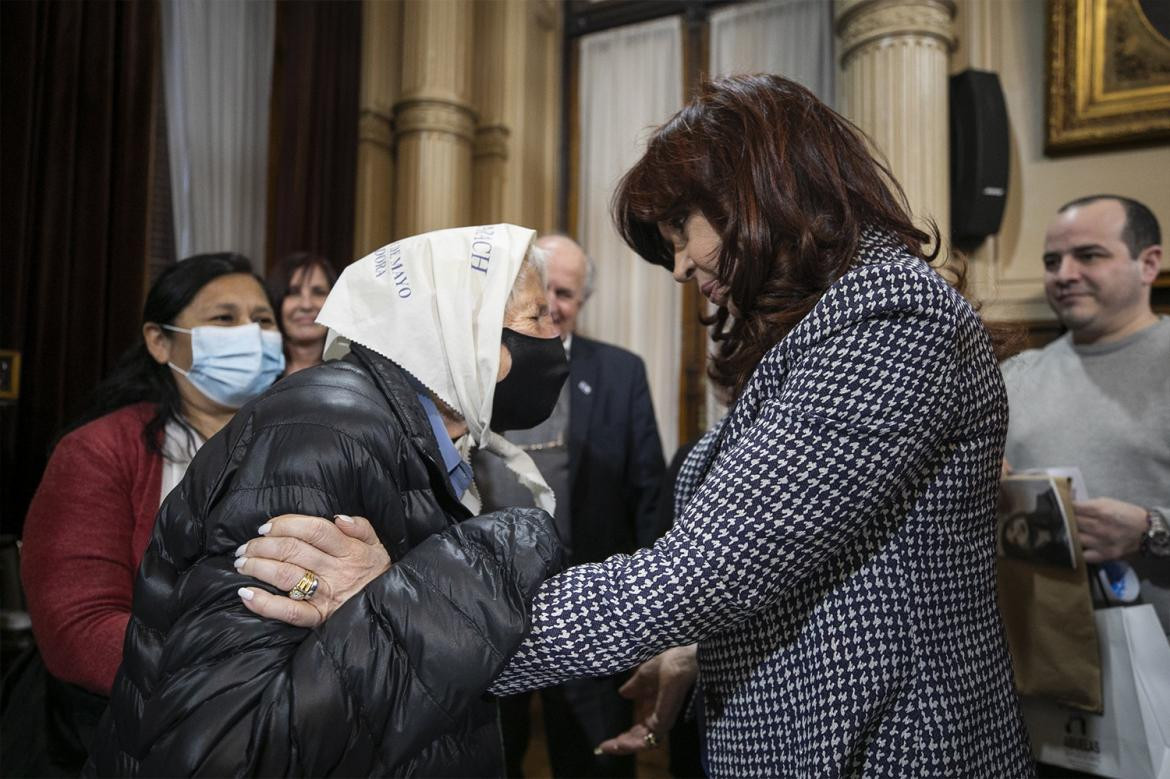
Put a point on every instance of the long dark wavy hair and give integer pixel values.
(137, 378)
(788, 184)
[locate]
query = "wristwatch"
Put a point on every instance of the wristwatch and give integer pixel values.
(1156, 541)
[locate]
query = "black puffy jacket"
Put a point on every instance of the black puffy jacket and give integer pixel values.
(393, 683)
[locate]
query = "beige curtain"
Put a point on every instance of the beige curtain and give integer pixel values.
(217, 71)
(630, 82)
(792, 38)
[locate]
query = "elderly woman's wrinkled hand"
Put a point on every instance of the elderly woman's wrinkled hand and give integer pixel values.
(660, 686)
(321, 564)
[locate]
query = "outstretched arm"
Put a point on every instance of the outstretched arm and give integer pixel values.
(817, 472)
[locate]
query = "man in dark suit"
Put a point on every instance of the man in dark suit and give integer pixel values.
(601, 454)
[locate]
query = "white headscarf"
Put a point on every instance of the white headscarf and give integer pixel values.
(434, 305)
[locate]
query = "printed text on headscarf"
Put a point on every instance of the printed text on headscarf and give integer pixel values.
(393, 263)
(481, 248)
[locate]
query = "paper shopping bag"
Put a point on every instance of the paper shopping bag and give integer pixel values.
(1131, 739)
(1044, 597)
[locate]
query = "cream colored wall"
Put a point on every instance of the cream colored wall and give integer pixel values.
(1008, 37)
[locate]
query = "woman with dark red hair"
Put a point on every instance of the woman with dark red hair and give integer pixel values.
(834, 553)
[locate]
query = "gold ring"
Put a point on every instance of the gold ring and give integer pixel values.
(306, 587)
(651, 740)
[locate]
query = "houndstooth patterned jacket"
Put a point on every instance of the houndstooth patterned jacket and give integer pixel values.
(834, 552)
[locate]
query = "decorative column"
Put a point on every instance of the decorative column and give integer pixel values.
(894, 66)
(381, 73)
(490, 151)
(531, 112)
(517, 152)
(434, 117)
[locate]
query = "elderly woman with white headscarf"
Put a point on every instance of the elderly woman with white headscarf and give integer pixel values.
(446, 337)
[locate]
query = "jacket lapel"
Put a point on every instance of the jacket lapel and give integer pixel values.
(583, 372)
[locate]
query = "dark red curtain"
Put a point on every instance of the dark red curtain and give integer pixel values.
(313, 136)
(78, 86)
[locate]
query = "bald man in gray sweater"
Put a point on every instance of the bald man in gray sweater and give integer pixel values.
(1098, 398)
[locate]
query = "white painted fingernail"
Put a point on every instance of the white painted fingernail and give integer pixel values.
(241, 549)
(597, 751)
(239, 563)
(245, 593)
(264, 529)
(343, 518)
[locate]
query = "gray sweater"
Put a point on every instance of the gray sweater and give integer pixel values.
(1104, 408)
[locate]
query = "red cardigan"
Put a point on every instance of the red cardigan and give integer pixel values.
(86, 531)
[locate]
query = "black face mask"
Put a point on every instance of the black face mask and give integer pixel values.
(527, 395)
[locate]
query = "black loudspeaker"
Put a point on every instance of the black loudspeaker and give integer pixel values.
(979, 156)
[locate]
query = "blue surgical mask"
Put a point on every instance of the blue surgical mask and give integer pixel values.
(232, 365)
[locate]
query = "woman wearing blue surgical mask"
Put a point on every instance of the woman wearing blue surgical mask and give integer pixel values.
(209, 344)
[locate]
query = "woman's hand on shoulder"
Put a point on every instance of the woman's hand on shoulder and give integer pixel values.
(291, 550)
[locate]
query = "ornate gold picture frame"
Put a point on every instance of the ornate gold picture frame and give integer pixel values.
(1108, 74)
